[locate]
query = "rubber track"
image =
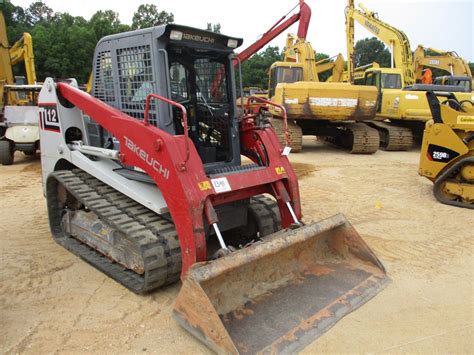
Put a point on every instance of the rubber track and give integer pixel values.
(154, 236)
(451, 174)
(393, 138)
(267, 214)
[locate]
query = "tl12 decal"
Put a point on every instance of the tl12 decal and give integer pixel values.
(49, 118)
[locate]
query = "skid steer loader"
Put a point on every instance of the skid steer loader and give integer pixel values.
(144, 180)
(447, 151)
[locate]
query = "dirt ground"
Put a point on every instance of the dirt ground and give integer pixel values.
(52, 302)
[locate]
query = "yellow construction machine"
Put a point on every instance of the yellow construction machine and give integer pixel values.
(447, 152)
(448, 61)
(332, 110)
(6, 72)
(18, 103)
(402, 107)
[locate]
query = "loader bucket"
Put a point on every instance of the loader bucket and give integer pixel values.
(279, 295)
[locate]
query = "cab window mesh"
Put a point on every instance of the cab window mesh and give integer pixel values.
(136, 81)
(104, 82)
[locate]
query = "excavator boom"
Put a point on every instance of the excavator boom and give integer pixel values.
(22, 51)
(395, 39)
(304, 17)
(6, 73)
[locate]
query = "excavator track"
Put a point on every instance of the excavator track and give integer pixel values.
(295, 134)
(452, 176)
(393, 138)
(154, 237)
(358, 137)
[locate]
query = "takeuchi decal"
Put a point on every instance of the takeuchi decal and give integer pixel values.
(147, 158)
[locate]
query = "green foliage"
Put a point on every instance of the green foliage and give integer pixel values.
(38, 12)
(148, 16)
(326, 75)
(214, 27)
(64, 47)
(106, 22)
(16, 20)
(471, 66)
(255, 69)
(370, 50)
(64, 44)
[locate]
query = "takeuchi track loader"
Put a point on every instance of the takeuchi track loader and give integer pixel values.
(144, 180)
(447, 152)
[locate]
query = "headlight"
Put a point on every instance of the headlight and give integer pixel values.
(232, 43)
(176, 35)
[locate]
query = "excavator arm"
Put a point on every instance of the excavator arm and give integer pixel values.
(448, 61)
(395, 39)
(22, 51)
(336, 66)
(6, 73)
(304, 17)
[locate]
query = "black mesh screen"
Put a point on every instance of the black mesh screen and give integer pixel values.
(104, 81)
(136, 81)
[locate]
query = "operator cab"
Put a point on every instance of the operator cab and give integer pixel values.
(190, 66)
(383, 80)
(282, 72)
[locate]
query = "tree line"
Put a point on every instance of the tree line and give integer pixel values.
(64, 44)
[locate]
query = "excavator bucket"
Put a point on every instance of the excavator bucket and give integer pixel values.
(280, 294)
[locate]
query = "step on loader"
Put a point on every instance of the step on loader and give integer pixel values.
(447, 151)
(144, 180)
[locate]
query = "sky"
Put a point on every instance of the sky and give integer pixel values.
(441, 24)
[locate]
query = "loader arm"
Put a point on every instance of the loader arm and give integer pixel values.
(161, 155)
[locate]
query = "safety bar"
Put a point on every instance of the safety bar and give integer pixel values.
(285, 120)
(185, 120)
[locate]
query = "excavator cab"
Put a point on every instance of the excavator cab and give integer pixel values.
(283, 72)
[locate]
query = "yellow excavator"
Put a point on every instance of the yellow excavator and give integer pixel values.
(447, 153)
(402, 107)
(18, 103)
(448, 61)
(332, 110)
